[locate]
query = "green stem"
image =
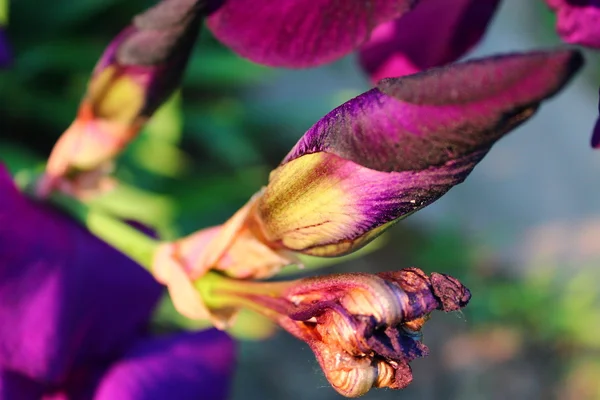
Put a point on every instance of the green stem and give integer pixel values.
(118, 234)
(266, 298)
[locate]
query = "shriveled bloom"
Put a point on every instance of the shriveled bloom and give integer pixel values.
(434, 33)
(138, 71)
(369, 163)
(75, 315)
(300, 33)
(363, 328)
(578, 21)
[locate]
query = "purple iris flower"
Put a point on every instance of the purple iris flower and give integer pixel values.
(434, 33)
(578, 21)
(75, 316)
(300, 33)
(396, 38)
(5, 53)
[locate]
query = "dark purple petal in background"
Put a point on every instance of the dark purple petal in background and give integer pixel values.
(185, 366)
(16, 387)
(300, 33)
(578, 21)
(430, 118)
(596, 133)
(5, 53)
(67, 299)
(434, 33)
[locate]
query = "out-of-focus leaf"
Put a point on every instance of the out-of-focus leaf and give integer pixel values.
(161, 158)
(131, 203)
(166, 124)
(70, 12)
(73, 55)
(219, 130)
(211, 198)
(214, 67)
(16, 157)
(3, 12)
(157, 150)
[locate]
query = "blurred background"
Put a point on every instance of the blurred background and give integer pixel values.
(523, 232)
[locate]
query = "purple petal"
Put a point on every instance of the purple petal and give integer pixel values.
(422, 40)
(300, 33)
(155, 49)
(14, 386)
(596, 133)
(324, 205)
(578, 21)
(186, 366)
(5, 53)
(399, 147)
(67, 299)
(430, 118)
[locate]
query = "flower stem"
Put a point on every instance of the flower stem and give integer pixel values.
(266, 298)
(115, 232)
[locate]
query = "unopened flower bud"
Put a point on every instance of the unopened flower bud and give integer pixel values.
(388, 153)
(137, 73)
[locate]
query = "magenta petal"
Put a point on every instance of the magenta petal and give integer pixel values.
(422, 39)
(430, 118)
(67, 299)
(185, 366)
(300, 33)
(578, 21)
(17, 387)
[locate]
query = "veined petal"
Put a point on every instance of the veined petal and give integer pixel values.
(578, 21)
(300, 33)
(421, 39)
(323, 205)
(399, 147)
(185, 366)
(67, 299)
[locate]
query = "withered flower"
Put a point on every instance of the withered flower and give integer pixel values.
(363, 328)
